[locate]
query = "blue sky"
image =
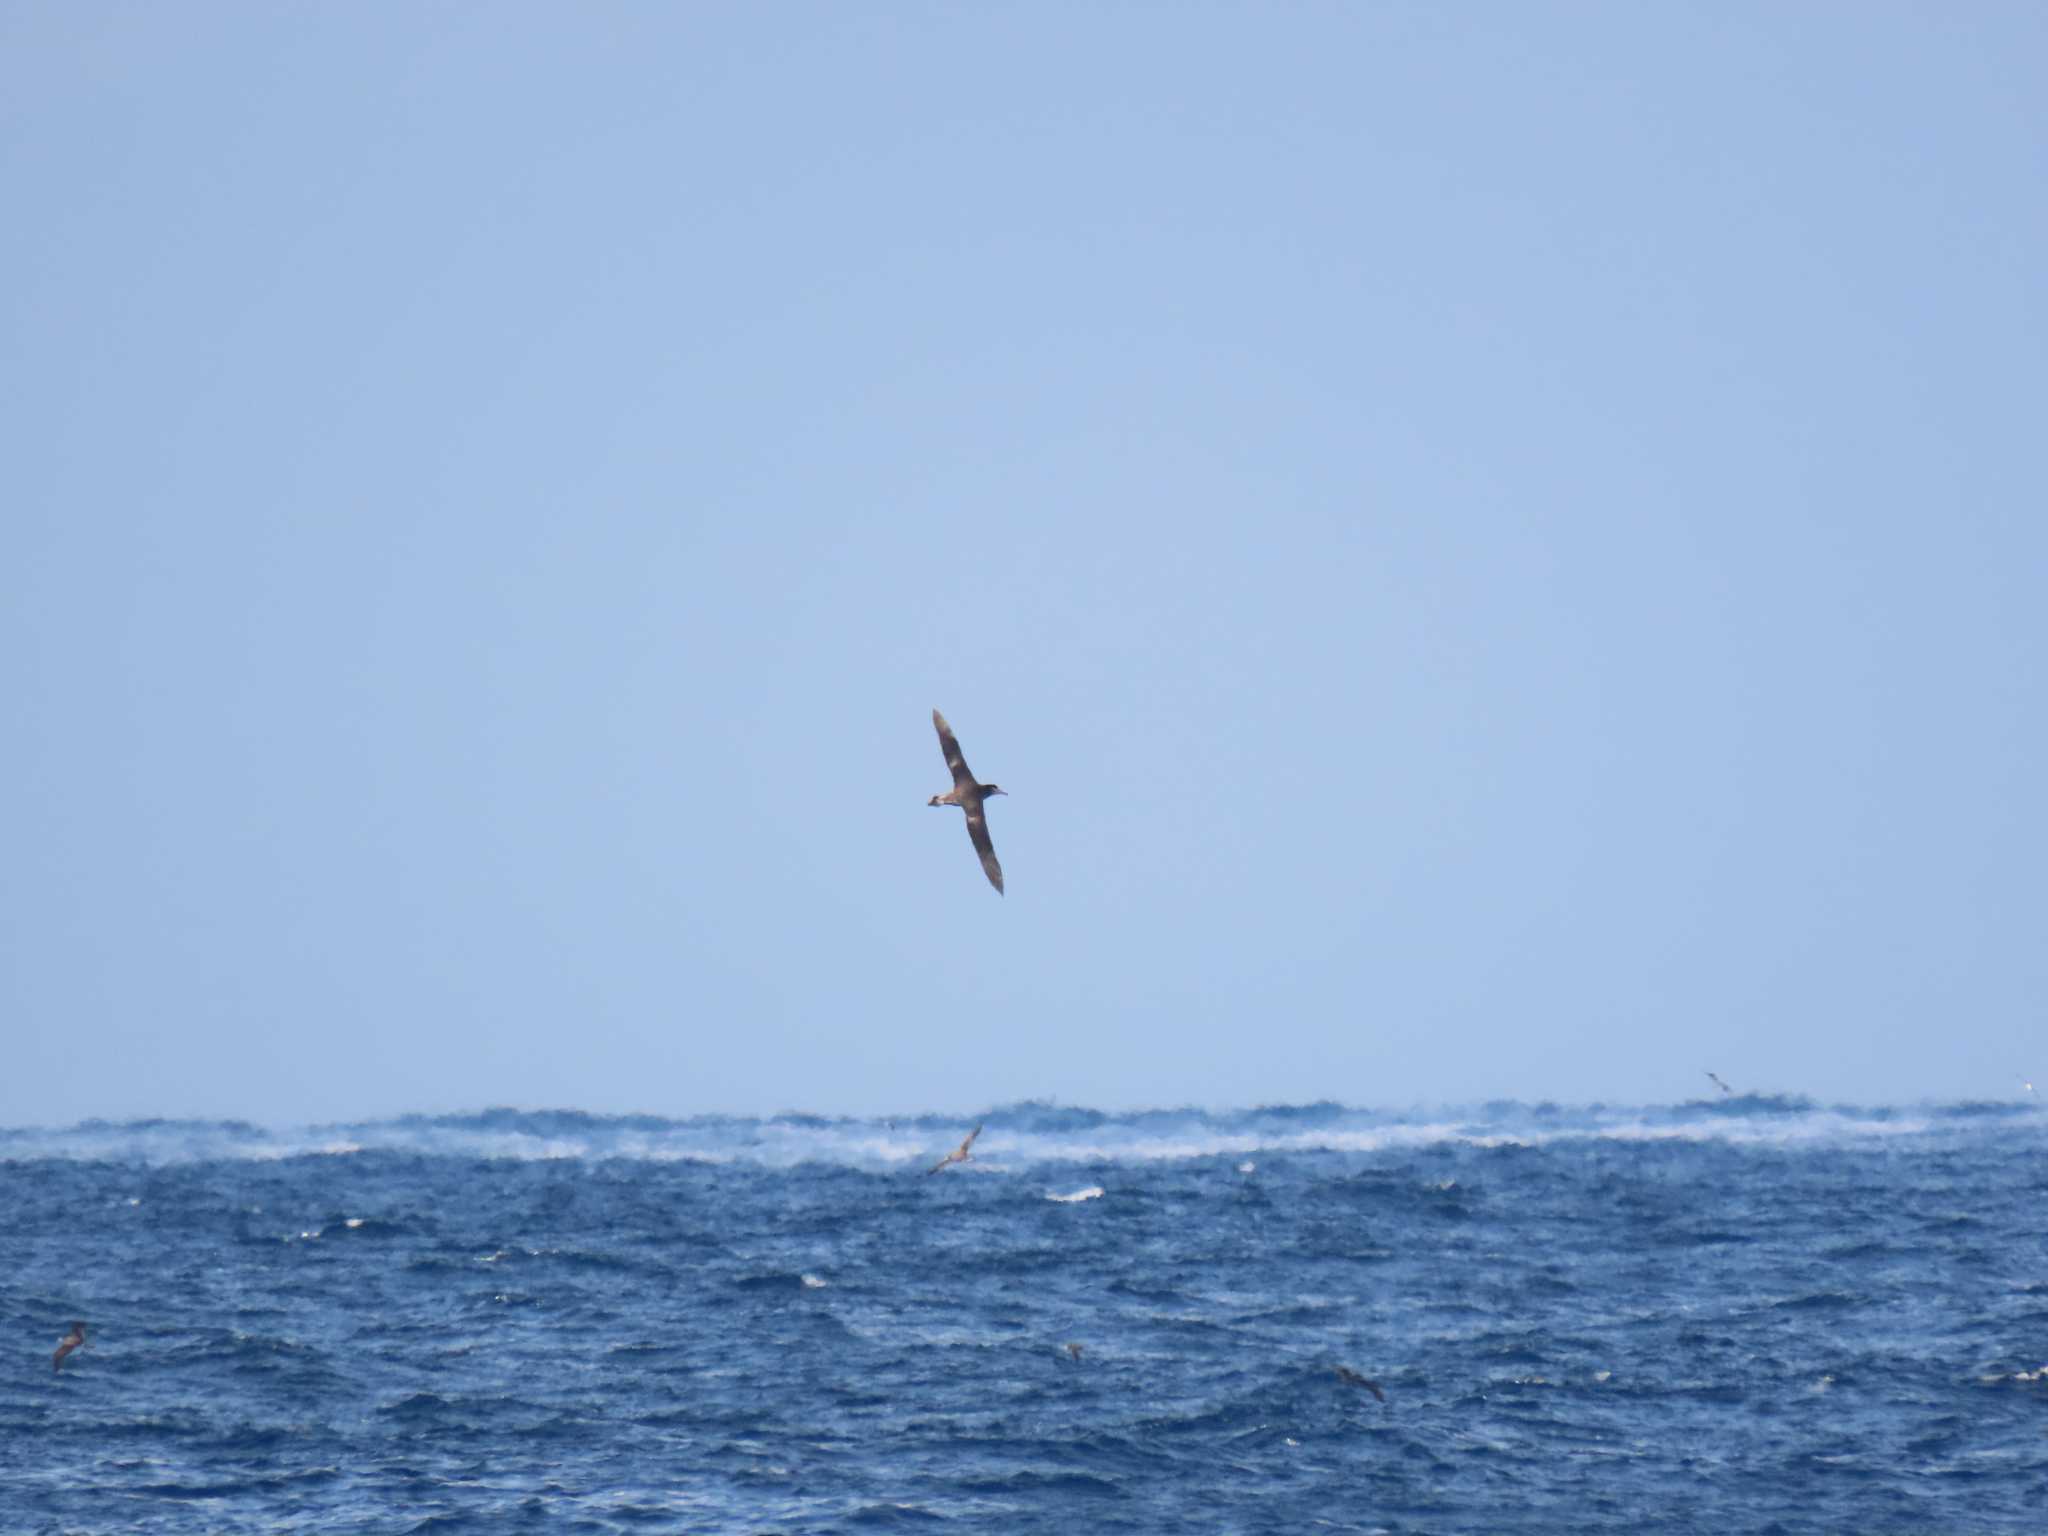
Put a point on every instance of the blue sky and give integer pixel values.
(1498, 551)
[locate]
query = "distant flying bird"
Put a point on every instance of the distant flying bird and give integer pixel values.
(1074, 1350)
(969, 796)
(1720, 1085)
(2027, 1085)
(959, 1154)
(1351, 1378)
(75, 1339)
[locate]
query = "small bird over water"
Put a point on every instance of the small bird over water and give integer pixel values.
(1721, 1085)
(969, 796)
(959, 1154)
(1351, 1378)
(75, 1339)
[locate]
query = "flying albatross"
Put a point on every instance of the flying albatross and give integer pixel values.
(1721, 1085)
(75, 1339)
(1351, 1378)
(969, 795)
(959, 1154)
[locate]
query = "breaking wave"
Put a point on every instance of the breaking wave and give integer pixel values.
(1023, 1135)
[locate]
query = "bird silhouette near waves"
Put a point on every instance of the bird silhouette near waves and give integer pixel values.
(959, 1154)
(1351, 1378)
(75, 1339)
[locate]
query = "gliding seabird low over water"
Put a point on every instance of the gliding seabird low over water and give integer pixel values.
(1721, 1085)
(959, 1154)
(969, 795)
(1351, 1378)
(75, 1339)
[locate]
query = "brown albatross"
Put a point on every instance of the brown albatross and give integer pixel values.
(75, 1339)
(959, 1154)
(969, 796)
(1351, 1378)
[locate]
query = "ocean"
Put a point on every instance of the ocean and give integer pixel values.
(1751, 1314)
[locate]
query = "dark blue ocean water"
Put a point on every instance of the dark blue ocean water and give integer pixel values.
(1751, 1315)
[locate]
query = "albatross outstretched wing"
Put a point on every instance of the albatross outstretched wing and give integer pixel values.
(950, 745)
(977, 829)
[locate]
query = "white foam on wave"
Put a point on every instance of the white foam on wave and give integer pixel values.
(1815, 1127)
(1092, 1192)
(813, 1283)
(1245, 1138)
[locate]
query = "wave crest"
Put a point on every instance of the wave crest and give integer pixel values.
(1028, 1134)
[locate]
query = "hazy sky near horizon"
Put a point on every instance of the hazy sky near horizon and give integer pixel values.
(1498, 550)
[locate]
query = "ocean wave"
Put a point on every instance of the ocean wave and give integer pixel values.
(1021, 1135)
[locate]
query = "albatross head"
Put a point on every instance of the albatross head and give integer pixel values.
(992, 789)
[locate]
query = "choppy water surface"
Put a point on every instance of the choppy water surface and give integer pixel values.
(1751, 1315)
